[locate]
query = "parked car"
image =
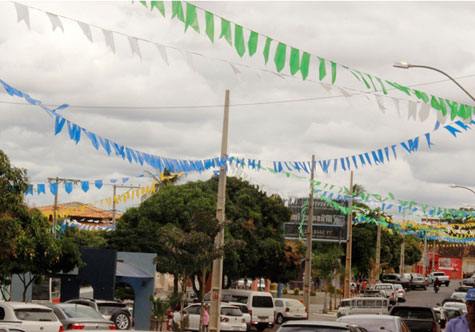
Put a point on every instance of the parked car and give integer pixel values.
(376, 322)
(417, 281)
(401, 293)
(394, 278)
(446, 314)
(468, 281)
(231, 318)
(388, 290)
(457, 305)
(443, 278)
(363, 305)
(29, 316)
(114, 311)
(372, 293)
(79, 317)
(245, 312)
(289, 309)
(309, 325)
(463, 288)
(418, 319)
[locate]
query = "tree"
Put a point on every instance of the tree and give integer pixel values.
(88, 239)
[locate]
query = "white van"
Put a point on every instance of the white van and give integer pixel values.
(363, 305)
(260, 305)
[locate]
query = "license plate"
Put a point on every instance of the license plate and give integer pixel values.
(264, 319)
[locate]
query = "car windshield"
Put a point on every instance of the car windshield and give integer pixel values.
(316, 328)
(81, 311)
(262, 302)
(458, 296)
(458, 305)
(109, 308)
(229, 311)
(36, 315)
(371, 324)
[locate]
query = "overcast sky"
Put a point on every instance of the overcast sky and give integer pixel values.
(65, 67)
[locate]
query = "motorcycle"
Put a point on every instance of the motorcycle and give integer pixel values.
(436, 289)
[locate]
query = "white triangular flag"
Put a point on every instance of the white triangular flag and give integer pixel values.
(396, 103)
(55, 21)
(86, 29)
(134, 46)
(424, 112)
(163, 53)
(188, 58)
(344, 93)
(381, 106)
(109, 37)
(22, 14)
(441, 118)
(235, 69)
(412, 110)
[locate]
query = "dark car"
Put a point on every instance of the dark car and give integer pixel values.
(79, 317)
(418, 319)
(393, 278)
(115, 311)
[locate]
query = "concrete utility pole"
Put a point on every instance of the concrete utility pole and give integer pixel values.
(401, 269)
(55, 206)
(433, 257)
(424, 255)
(308, 256)
(347, 286)
(378, 249)
(115, 186)
(217, 276)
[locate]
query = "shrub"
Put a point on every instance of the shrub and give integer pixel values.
(296, 291)
(284, 291)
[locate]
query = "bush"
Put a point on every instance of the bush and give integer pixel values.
(296, 291)
(284, 291)
(313, 293)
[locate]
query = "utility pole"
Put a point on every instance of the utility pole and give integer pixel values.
(424, 255)
(378, 249)
(433, 257)
(115, 186)
(217, 275)
(401, 269)
(308, 256)
(347, 286)
(57, 180)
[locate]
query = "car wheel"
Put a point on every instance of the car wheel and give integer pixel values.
(121, 320)
(260, 328)
(279, 319)
(446, 284)
(425, 288)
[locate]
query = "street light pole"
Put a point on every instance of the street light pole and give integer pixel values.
(462, 187)
(405, 65)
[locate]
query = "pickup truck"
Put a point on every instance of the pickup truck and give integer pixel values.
(444, 279)
(418, 319)
(388, 290)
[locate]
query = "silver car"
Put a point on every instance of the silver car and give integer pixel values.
(376, 323)
(80, 317)
(401, 293)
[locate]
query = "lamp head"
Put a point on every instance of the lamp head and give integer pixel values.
(401, 64)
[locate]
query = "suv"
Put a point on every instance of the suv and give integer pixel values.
(114, 311)
(394, 278)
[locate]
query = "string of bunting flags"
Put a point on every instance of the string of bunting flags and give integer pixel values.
(298, 61)
(462, 111)
(371, 158)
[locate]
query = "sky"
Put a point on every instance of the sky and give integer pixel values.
(175, 109)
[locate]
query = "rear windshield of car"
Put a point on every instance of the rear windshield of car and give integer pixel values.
(439, 274)
(373, 324)
(383, 287)
(414, 313)
(244, 309)
(35, 315)
(262, 302)
(109, 308)
(228, 311)
(345, 303)
(306, 328)
(80, 311)
(371, 303)
(294, 304)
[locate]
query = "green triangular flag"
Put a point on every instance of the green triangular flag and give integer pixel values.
(304, 64)
(210, 25)
(191, 17)
(252, 43)
(267, 48)
(322, 70)
(144, 3)
(382, 86)
(372, 82)
(159, 5)
(294, 60)
(333, 71)
(226, 31)
(239, 40)
(279, 58)
(177, 11)
(391, 195)
(435, 103)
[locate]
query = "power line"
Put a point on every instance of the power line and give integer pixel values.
(285, 101)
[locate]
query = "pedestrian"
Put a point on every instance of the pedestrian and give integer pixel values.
(205, 318)
(465, 323)
(364, 285)
(358, 287)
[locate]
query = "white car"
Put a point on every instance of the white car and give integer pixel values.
(289, 309)
(458, 296)
(376, 322)
(232, 318)
(458, 305)
(7, 328)
(401, 293)
(29, 317)
(245, 312)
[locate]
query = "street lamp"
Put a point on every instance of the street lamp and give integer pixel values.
(463, 187)
(405, 65)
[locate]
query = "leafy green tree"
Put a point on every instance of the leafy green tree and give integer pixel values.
(86, 239)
